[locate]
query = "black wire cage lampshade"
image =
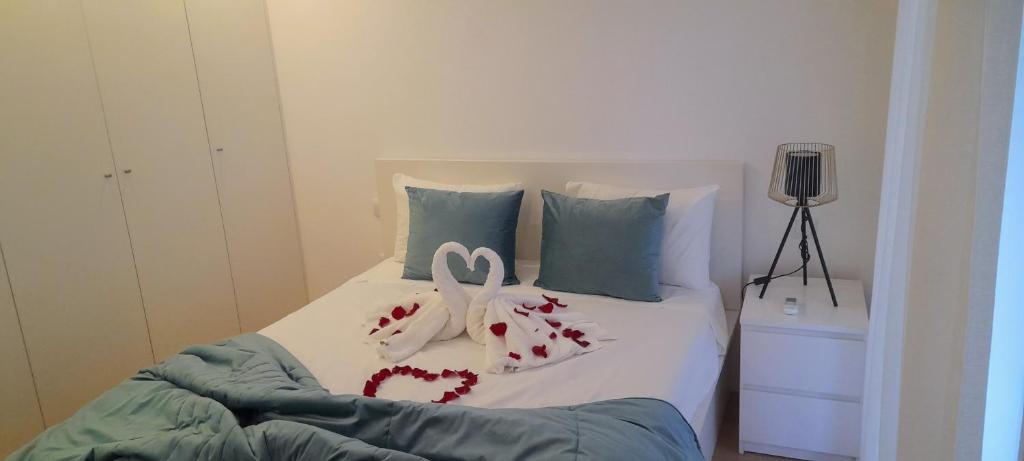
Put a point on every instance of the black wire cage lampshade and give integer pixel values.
(804, 176)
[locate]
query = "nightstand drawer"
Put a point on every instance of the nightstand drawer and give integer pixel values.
(814, 364)
(803, 423)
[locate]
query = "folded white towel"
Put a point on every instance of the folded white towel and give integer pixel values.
(401, 329)
(522, 331)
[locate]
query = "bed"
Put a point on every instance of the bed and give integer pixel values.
(667, 360)
(674, 350)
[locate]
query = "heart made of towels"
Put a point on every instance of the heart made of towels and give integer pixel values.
(469, 379)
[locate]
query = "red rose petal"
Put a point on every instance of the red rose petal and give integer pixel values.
(374, 330)
(524, 314)
(370, 389)
(553, 335)
(530, 308)
(547, 308)
(553, 323)
(499, 328)
(398, 312)
(468, 377)
(383, 322)
(447, 397)
(446, 373)
(575, 335)
(396, 332)
(415, 307)
(514, 355)
(572, 334)
(540, 351)
(462, 390)
(553, 301)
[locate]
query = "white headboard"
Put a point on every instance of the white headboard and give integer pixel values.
(726, 241)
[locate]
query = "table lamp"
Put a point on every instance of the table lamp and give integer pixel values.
(804, 176)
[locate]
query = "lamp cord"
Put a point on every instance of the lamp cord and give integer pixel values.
(763, 280)
(805, 252)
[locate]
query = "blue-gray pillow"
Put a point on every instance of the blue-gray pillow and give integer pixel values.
(602, 247)
(474, 219)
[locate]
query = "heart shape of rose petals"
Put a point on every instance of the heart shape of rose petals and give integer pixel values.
(469, 379)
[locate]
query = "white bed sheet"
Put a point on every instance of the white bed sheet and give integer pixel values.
(669, 350)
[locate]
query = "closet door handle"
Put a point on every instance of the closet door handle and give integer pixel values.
(128, 171)
(108, 175)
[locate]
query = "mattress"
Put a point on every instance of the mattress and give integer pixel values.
(670, 350)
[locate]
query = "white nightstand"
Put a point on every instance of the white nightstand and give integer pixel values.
(801, 376)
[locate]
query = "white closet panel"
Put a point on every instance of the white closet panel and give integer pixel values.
(61, 222)
(236, 72)
(147, 80)
(20, 419)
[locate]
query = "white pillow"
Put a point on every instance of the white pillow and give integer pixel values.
(400, 181)
(686, 246)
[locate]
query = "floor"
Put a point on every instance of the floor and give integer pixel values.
(728, 438)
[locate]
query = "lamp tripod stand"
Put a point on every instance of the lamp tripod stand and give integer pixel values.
(805, 254)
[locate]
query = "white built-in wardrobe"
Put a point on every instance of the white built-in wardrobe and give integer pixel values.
(145, 200)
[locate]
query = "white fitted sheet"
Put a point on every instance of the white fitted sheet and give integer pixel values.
(669, 350)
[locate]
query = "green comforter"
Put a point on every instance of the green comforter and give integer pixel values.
(247, 398)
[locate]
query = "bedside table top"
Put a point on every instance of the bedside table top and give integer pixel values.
(818, 314)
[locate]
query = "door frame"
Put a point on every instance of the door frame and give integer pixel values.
(908, 102)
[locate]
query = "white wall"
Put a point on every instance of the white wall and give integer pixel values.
(667, 79)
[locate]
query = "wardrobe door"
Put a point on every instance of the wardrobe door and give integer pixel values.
(154, 113)
(62, 227)
(20, 420)
(236, 74)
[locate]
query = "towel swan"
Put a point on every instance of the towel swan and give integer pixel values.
(402, 329)
(525, 331)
